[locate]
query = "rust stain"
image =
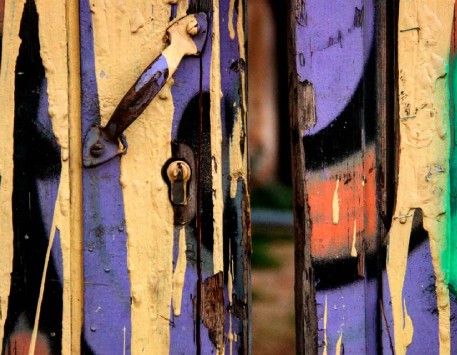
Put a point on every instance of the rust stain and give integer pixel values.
(212, 308)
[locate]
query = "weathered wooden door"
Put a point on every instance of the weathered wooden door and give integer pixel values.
(124, 216)
(372, 106)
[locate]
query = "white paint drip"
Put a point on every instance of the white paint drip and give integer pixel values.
(339, 344)
(354, 239)
(125, 341)
(236, 158)
(230, 335)
(40, 296)
(216, 142)
(179, 273)
(325, 352)
(230, 19)
(336, 204)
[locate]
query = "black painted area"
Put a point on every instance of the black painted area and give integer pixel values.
(188, 134)
(343, 137)
(36, 158)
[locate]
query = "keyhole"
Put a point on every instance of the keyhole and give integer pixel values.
(178, 173)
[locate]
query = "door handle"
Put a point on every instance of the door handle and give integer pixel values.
(187, 36)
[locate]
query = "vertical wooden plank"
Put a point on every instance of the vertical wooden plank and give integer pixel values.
(333, 58)
(384, 110)
(387, 149)
(232, 189)
(302, 114)
(107, 295)
(40, 299)
(75, 165)
(40, 179)
(189, 282)
(419, 307)
(452, 241)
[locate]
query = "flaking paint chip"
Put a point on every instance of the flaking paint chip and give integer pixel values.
(137, 21)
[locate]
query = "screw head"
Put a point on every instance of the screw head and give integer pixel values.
(97, 150)
(192, 28)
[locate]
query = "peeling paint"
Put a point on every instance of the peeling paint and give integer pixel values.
(339, 344)
(424, 144)
(213, 310)
(183, 5)
(54, 57)
(216, 141)
(10, 50)
(179, 273)
(137, 21)
(53, 51)
(230, 19)
(238, 158)
(122, 56)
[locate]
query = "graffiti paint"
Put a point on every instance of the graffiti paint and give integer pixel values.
(168, 306)
(335, 54)
(345, 172)
(140, 271)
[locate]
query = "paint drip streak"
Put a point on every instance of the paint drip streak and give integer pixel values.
(325, 351)
(425, 28)
(216, 141)
(42, 286)
(55, 61)
(199, 208)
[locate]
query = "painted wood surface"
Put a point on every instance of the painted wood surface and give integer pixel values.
(378, 149)
(419, 304)
(104, 238)
(334, 51)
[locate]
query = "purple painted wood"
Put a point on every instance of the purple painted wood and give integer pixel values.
(419, 293)
(332, 55)
(107, 327)
(236, 211)
(106, 278)
(37, 167)
(187, 94)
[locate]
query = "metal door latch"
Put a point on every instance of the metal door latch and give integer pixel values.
(187, 36)
(179, 174)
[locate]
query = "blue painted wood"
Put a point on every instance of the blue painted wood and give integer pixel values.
(107, 288)
(107, 324)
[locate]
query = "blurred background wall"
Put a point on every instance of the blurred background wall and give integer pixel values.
(269, 149)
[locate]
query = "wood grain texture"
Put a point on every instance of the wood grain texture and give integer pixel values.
(335, 56)
(305, 299)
